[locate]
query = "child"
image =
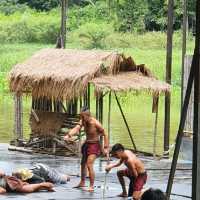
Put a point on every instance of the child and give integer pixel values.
(135, 171)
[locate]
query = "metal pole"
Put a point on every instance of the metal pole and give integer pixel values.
(196, 120)
(184, 43)
(168, 73)
(127, 126)
(181, 128)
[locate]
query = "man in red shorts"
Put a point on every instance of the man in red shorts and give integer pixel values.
(135, 171)
(91, 149)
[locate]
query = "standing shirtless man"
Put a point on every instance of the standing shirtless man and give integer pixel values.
(135, 171)
(91, 148)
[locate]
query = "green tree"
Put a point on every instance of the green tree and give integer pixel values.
(131, 15)
(40, 4)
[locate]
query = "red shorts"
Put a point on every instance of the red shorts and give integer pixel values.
(89, 149)
(138, 182)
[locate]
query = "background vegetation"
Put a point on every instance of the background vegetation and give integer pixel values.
(134, 27)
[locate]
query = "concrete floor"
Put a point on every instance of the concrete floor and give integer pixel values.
(10, 160)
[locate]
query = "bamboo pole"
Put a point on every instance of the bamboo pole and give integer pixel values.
(126, 123)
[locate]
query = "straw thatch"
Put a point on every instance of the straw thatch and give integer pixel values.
(130, 81)
(64, 74)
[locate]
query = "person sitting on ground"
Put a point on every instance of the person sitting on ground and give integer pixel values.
(41, 173)
(13, 184)
(135, 171)
(153, 194)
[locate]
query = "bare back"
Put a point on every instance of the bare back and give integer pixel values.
(133, 162)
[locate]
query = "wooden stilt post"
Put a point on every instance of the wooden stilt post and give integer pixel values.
(127, 126)
(156, 103)
(168, 73)
(184, 46)
(62, 40)
(109, 115)
(18, 126)
(88, 95)
(97, 106)
(196, 120)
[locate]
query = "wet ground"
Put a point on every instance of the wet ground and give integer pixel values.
(157, 171)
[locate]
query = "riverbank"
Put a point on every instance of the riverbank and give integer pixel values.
(157, 176)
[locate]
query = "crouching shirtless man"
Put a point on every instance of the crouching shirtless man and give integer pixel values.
(135, 171)
(91, 148)
(13, 184)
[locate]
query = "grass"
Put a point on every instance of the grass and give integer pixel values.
(137, 109)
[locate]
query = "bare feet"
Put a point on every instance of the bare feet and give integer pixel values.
(123, 194)
(80, 185)
(90, 189)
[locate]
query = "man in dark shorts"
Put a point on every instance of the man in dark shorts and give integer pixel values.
(13, 184)
(91, 149)
(135, 171)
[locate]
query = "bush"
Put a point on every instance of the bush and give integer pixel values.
(29, 27)
(8, 7)
(92, 35)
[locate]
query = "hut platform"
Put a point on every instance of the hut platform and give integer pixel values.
(157, 170)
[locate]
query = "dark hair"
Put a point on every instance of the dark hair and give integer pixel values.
(117, 147)
(85, 109)
(153, 194)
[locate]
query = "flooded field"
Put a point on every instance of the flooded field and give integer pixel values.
(138, 111)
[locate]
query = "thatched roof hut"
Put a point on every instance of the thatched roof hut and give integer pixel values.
(64, 74)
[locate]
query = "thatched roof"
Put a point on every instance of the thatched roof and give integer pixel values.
(130, 81)
(65, 73)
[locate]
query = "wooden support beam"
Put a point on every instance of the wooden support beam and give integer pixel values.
(109, 115)
(126, 123)
(168, 73)
(196, 119)
(63, 23)
(35, 116)
(88, 95)
(156, 103)
(18, 125)
(184, 46)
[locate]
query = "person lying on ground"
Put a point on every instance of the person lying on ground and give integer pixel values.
(41, 173)
(153, 194)
(135, 171)
(91, 148)
(13, 184)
